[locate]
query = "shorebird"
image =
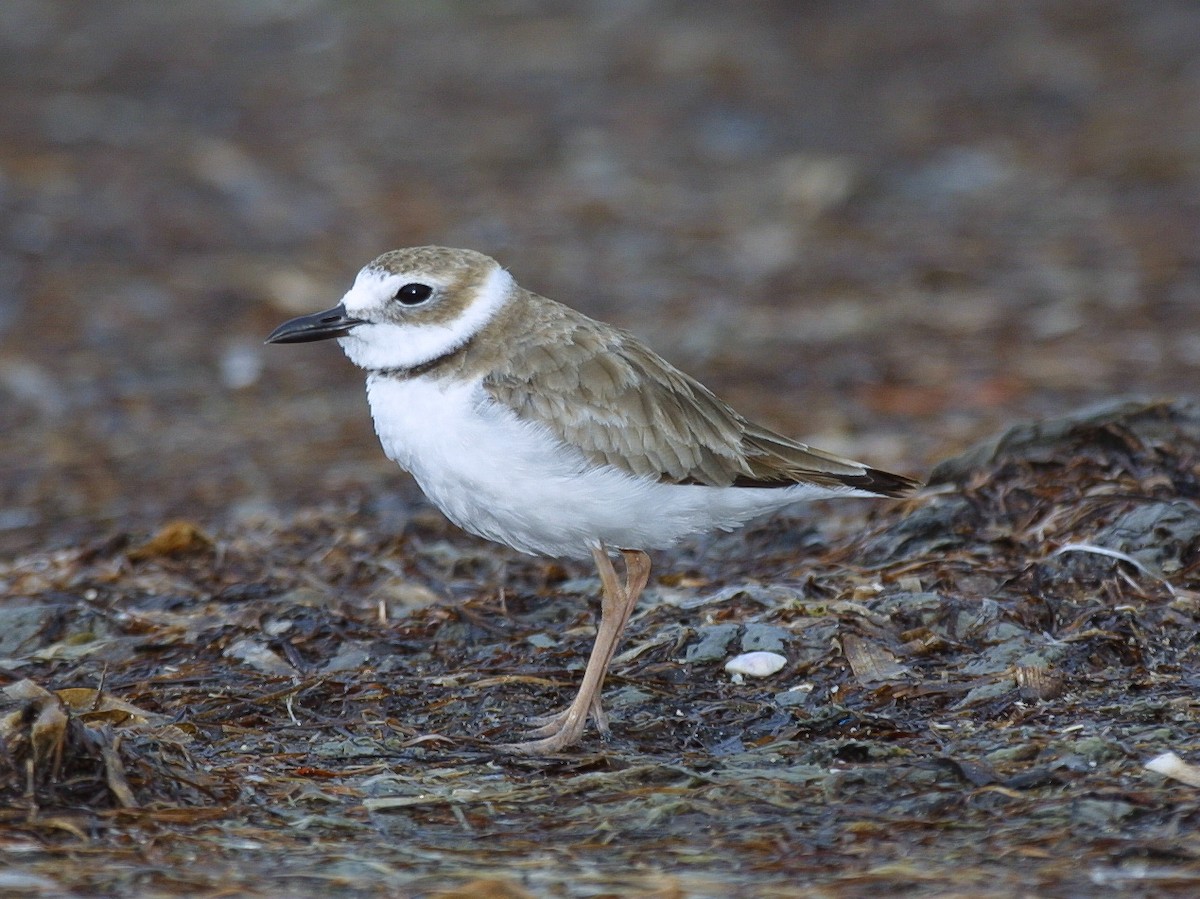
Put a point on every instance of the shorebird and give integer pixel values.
(532, 425)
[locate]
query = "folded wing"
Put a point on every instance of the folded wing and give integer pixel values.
(602, 391)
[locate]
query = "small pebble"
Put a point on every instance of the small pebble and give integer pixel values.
(756, 664)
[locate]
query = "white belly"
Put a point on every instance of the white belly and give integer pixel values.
(514, 482)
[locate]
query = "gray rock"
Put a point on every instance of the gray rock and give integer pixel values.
(1156, 534)
(713, 644)
(20, 623)
(764, 638)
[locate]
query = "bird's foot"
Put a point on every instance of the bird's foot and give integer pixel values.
(544, 746)
(544, 725)
(560, 729)
(557, 732)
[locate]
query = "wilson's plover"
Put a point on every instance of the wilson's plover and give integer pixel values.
(535, 426)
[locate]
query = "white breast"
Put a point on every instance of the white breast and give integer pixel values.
(514, 482)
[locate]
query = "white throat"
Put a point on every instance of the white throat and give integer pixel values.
(393, 345)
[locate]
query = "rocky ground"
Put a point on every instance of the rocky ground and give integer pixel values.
(239, 655)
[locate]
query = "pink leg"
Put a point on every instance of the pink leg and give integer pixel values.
(637, 573)
(616, 605)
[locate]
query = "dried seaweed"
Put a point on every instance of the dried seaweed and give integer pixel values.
(272, 686)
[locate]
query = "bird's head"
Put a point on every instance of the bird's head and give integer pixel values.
(408, 307)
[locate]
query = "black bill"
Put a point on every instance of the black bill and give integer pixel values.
(318, 326)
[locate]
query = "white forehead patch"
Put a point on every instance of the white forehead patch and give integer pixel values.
(374, 288)
(383, 344)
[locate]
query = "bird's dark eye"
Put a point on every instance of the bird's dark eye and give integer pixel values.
(414, 294)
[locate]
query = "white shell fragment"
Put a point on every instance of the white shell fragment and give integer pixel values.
(756, 664)
(1170, 765)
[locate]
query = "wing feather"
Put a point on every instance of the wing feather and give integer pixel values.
(601, 390)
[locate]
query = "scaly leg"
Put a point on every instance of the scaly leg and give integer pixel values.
(637, 573)
(616, 605)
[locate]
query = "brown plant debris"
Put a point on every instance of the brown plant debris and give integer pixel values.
(950, 677)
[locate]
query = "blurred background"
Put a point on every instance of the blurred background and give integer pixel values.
(889, 229)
